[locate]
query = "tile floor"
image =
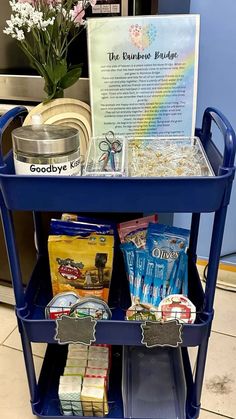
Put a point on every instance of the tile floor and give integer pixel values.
(219, 390)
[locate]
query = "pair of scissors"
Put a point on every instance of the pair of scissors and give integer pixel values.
(110, 146)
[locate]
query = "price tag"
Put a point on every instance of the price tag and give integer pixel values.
(75, 330)
(162, 333)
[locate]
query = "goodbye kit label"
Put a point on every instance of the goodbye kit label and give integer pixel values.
(67, 168)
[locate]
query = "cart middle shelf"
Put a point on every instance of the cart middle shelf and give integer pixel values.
(116, 331)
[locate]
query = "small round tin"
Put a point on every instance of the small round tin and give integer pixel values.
(91, 306)
(141, 312)
(61, 304)
(177, 307)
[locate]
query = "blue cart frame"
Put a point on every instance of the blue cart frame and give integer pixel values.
(37, 194)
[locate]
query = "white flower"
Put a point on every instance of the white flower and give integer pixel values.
(15, 32)
(35, 24)
(8, 31)
(22, 8)
(20, 35)
(63, 11)
(46, 23)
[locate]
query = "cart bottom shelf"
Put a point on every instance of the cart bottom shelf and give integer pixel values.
(149, 383)
(53, 366)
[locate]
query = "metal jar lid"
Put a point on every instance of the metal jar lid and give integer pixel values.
(45, 139)
(91, 306)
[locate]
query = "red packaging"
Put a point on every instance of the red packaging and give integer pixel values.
(97, 373)
(54, 313)
(179, 307)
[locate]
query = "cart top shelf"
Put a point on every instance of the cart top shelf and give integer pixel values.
(176, 194)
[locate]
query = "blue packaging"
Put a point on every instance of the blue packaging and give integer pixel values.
(164, 242)
(180, 277)
(146, 296)
(140, 268)
(78, 228)
(128, 250)
(185, 279)
(173, 276)
(88, 220)
(159, 281)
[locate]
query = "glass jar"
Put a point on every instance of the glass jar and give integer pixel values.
(46, 150)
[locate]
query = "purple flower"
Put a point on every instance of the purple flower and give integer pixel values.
(26, 1)
(52, 2)
(78, 12)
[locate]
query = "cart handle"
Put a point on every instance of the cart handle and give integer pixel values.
(5, 120)
(212, 114)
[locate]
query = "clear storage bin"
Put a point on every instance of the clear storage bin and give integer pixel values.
(153, 383)
(106, 156)
(167, 157)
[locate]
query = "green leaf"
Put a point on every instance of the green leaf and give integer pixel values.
(60, 70)
(71, 67)
(50, 89)
(33, 61)
(53, 93)
(56, 72)
(71, 77)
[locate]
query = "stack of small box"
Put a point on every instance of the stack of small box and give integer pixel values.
(70, 395)
(84, 384)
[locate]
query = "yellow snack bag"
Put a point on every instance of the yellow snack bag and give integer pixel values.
(81, 262)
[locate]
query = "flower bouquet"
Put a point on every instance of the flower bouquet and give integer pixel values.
(44, 30)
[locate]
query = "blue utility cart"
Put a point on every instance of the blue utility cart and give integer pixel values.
(193, 195)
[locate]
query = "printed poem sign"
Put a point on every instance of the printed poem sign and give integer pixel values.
(143, 74)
